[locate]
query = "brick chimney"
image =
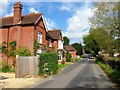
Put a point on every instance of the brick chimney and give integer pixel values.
(17, 13)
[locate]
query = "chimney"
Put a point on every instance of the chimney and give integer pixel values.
(17, 13)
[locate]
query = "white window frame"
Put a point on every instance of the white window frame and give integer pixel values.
(39, 37)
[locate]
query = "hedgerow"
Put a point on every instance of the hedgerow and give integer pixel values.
(48, 63)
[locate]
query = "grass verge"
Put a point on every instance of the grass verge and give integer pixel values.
(112, 73)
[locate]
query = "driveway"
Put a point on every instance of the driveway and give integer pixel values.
(81, 74)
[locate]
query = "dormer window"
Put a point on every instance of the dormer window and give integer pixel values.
(39, 37)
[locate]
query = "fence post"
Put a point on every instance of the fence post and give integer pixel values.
(16, 64)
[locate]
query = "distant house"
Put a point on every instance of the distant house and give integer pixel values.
(70, 49)
(57, 43)
(26, 29)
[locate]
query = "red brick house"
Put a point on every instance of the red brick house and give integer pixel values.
(58, 43)
(70, 49)
(25, 29)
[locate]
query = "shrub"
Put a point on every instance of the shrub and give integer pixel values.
(48, 63)
(23, 52)
(5, 66)
(36, 46)
(113, 73)
(68, 57)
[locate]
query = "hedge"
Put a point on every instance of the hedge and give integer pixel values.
(68, 57)
(48, 63)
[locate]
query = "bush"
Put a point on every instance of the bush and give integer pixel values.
(6, 67)
(68, 57)
(113, 73)
(23, 52)
(48, 63)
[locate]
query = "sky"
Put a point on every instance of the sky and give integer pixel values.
(71, 17)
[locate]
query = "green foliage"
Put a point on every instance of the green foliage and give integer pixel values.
(3, 48)
(106, 17)
(36, 46)
(91, 45)
(78, 48)
(6, 67)
(113, 73)
(102, 38)
(66, 40)
(68, 57)
(48, 63)
(23, 52)
(61, 66)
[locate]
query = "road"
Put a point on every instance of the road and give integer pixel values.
(81, 74)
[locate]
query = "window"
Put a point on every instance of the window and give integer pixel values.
(60, 56)
(50, 43)
(40, 37)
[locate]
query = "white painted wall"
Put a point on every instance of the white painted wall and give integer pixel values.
(60, 44)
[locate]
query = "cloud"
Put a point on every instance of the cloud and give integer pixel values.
(65, 8)
(3, 7)
(78, 24)
(10, 14)
(32, 10)
(50, 24)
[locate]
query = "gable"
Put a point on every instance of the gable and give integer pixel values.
(56, 34)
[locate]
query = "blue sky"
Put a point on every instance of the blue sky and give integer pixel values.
(70, 17)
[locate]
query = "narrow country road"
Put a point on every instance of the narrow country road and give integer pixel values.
(82, 74)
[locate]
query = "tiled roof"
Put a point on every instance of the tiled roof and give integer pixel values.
(69, 48)
(55, 33)
(26, 19)
(48, 35)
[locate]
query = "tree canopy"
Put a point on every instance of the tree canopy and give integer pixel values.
(78, 48)
(66, 40)
(105, 28)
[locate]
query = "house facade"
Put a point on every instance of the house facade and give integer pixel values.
(58, 44)
(26, 29)
(70, 49)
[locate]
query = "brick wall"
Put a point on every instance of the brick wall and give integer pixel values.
(73, 53)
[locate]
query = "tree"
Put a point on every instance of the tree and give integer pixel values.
(78, 48)
(106, 20)
(91, 45)
(66, 40)
(106, 16)
(103, 38)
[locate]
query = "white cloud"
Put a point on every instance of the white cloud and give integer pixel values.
(32, 10)
(78, 24)
(3, 7)
(50, 24)
(10, 14)
(65, 8)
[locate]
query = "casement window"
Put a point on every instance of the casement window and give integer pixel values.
(39, 37)
(50, 43)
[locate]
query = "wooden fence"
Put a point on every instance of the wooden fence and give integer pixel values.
(27, 65)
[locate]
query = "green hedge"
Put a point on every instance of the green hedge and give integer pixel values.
(68, 57)
(113, 73)
(48, 63)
